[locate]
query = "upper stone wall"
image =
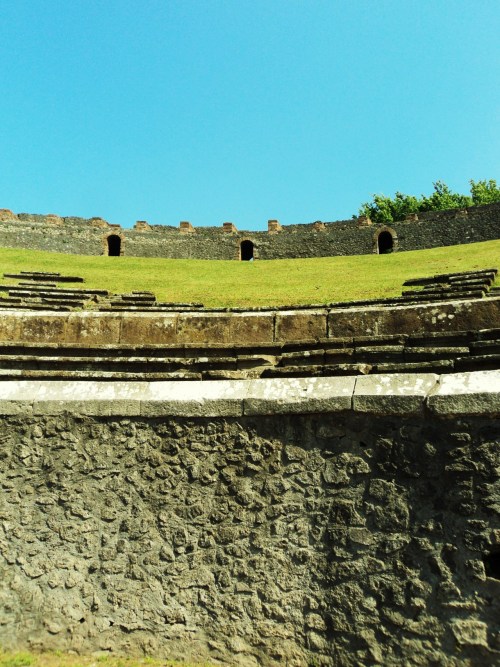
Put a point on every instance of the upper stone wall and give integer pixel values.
(318, 239)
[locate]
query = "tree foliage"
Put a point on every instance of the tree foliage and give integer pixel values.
(382, 209)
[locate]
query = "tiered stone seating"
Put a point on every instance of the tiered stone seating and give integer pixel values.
(33, 292)
(442, 287)
(432, 352)
(143, 301)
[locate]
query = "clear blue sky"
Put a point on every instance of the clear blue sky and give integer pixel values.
(243, 110)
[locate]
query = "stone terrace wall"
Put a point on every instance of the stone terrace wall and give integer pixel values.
(348, 237)
(244, 328)
(304, 522)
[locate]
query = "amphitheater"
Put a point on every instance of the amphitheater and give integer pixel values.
(269, 486)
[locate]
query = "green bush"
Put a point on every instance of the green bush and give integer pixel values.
(385, 210)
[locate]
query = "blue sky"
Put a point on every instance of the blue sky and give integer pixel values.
(243, 110)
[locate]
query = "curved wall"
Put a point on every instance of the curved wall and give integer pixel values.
(244, 328)
(348, 237)
(326, 521)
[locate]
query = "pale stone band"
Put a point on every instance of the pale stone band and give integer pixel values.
(466, 394)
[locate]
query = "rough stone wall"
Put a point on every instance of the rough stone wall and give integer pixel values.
(347, 237)
(324, 539)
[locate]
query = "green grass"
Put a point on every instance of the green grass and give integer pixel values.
(60, 659)
(260, 283)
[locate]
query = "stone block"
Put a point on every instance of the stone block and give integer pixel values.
(149, 328)
(470, 632)
(476, 393)
(93, 328)
(42, 327)
(298, 395)
(251, 328)
(273, 226)
(292, 325)
(143, 226)
(17, 396)
(400, 393)
(6, 215)
(89, 398)
(204, 327)
(10, 327)
(211, 398)
(185, 227)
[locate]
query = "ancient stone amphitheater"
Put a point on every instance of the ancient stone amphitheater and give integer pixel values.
(306, 486)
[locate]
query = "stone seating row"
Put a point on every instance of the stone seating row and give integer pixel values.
(430, 352)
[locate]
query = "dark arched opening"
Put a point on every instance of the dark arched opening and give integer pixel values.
(246, 250)
(114, 245)
(385, 243)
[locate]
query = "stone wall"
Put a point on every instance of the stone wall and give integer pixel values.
(303, 522)
(248, 327)
(347, 237)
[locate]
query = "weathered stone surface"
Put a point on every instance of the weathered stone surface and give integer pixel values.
(204, 327)
(393, 394)
(45, 327)
(150, 328)
(88, 398)
(298, 395)
(252, 328)
(301, 325)
(91, 328)
(446, 316)
(335, 539)
(195, 399)
(476, 393)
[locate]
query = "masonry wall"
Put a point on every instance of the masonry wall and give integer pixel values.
(312, 536)
(81, 236)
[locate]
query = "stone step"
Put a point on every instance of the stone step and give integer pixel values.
(317, 371)
(440, 338)
(434, 353)
(485, 346)
(35, 306)
(483, 362)
(40, 285)
(373, 351)
(450, 277)
(447, 293)
(43, 276)
(59, 374)
(127, 363)
(38, 289)
(437, 366)
(143, 309)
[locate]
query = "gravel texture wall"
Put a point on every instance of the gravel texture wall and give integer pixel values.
(344, 237)
(333, 521)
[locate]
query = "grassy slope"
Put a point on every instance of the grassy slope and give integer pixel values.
(273, 282)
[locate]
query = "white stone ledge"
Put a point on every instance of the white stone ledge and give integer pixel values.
(476, 393)
(467, 394)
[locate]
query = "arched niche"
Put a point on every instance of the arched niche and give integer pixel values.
(113, 245)
(247, 250)
(385, 241)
